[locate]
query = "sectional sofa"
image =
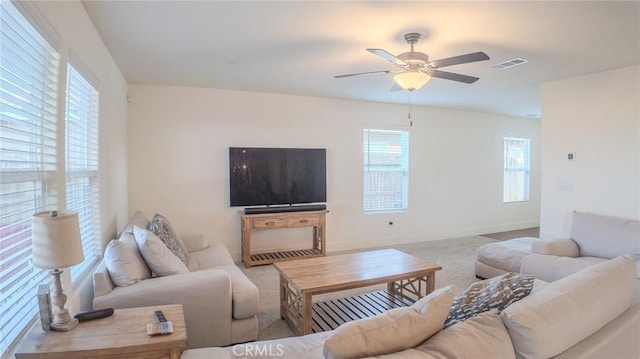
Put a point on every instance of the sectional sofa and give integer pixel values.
(588, 314)
(594, 239)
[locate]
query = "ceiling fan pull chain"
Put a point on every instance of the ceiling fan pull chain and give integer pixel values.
(409, 102)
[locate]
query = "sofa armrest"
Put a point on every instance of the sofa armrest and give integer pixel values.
(556, 247)
(205, 297)
(194, 242)
(102, 283)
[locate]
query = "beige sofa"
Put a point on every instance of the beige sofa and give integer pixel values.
(220, 303)
(594, 239)
(585, 315)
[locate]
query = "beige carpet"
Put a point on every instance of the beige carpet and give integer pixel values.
(527, 232)
(457, 257)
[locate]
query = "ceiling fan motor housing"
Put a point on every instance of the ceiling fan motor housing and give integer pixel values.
(414, 58)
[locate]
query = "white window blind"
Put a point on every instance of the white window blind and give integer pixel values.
(81, 154)
(516, 169)
(386, 169)
(28, 98)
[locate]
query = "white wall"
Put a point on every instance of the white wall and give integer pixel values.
(178, 163)
(78, 34)
(597, 116)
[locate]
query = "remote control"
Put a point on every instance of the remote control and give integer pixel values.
(159, 316)
(95, 314)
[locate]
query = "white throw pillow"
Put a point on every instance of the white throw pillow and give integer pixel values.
(124, 263)
(158, 257)
(560, 315)
(392, 331)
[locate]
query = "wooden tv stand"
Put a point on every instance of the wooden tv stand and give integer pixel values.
(263, 221)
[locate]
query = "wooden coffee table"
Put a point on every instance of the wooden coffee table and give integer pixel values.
(408, 278)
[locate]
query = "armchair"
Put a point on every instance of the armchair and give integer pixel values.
(220, 303)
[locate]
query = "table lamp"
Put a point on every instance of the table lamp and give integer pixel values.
(57, 244)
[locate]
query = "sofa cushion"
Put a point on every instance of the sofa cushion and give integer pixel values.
(137, 219)
(156, 254)
(605, 236)
(577, 305)
(124, 263)
(551, 268)
(392, 331)
(556, 247)
(505, 255)
(304, 347)
(483, 336)
(495, 293)
(162, 228)
(212, 256)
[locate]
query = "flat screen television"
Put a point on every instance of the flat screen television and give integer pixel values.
(277, 176)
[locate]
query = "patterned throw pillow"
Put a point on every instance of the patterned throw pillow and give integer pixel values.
(161, 227)
(494, 293)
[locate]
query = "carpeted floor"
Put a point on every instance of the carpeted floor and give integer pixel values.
(457, 257)
(527, 232)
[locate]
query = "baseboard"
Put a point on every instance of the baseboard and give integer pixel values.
(337, 246)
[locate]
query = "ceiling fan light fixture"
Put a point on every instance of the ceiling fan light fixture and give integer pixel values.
(412, 80)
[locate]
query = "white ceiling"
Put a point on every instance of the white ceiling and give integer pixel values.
(297, 47)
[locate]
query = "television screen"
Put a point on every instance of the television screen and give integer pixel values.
(276, 176)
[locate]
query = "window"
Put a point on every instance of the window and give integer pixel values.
(28, 99)
(386, 169)
(516, 169)
(81, 163)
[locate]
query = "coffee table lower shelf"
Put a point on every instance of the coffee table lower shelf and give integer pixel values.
(329, 315)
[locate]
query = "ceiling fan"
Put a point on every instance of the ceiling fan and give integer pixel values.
(415, 69)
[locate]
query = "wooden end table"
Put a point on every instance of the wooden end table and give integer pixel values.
(122, 335)
(406, 276)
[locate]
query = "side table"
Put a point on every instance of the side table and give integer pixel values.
(122, 335)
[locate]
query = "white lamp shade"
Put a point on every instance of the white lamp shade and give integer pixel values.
(411, 80)
(56, 240)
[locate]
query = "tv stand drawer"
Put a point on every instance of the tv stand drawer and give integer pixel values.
(266, 223)
(306, 221)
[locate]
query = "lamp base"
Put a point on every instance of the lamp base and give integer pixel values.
(64, 327)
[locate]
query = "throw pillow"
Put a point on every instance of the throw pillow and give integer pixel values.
(162, 228)
(392, 331)
(565, 312)
(124, 263)
(484, 336)
(158, 257)
(494, 293)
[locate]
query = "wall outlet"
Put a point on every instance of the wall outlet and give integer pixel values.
(571, 156)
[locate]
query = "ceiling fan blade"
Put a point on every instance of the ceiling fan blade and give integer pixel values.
(462, 59)
(387, 56)
(454, 77)
(362, 73)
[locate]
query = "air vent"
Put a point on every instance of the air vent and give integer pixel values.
(511, 63)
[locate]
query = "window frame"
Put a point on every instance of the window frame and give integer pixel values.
(524, 169)
(29, 124)
(47, 179)
(82, 105)
(399, 197)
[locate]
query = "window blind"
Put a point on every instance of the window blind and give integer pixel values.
(516, 169)
(81, 165)
(386, 168)
(28, 99)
